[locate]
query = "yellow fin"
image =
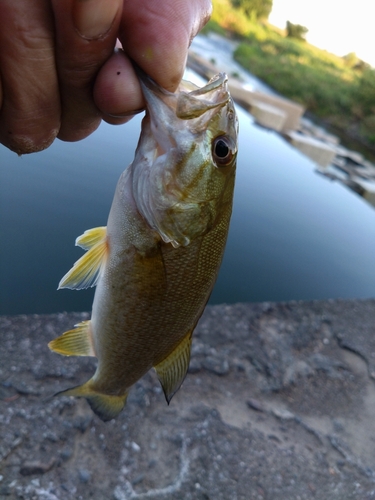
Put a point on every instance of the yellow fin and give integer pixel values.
(91, 237)
(172, 370)
(104, 406)
(86, 271)
(77, 342)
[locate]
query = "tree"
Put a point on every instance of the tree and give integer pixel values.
(355, 62)
(254, 9)
(362, 65)
(351, 59)
(296, 31)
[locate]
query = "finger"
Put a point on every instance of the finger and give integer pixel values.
(85, 37)
(156, 35)
(30, 107)
(117, 92)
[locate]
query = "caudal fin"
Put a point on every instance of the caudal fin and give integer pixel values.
(105, 406)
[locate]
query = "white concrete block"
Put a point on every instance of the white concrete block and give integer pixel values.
(268, 116)
(319, 151)
(368, 188)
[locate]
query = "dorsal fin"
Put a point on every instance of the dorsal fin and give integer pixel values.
(86, 271)
(76, 342)
(172, 370)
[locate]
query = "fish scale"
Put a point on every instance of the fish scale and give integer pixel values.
(156, 262)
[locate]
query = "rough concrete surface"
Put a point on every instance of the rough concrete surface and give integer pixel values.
(279, 403)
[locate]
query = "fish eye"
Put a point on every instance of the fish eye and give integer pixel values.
(221, 151)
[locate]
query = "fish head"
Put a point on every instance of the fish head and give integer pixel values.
(184, 168)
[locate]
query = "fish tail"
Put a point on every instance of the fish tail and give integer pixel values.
(105, 406)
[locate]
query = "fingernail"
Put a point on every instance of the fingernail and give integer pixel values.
(127, 113)
(94, 18)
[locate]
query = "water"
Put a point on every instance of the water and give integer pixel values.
(219, 50)
(294, 234)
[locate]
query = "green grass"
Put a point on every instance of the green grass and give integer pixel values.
(323, 82)
(317, 86)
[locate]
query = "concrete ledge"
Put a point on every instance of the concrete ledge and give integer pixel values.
(268, 116)
(321, 152)
(249, 98)
(367, 188)
(279, 404)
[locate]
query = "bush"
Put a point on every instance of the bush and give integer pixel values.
(367, 128)
(366, 92)
(254, 9)
(296, 31)
(294, 75)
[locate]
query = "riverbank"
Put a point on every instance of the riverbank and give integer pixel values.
(283, 115)
(339, 90)
(279, 402)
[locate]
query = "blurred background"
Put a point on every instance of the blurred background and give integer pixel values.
(303, 224)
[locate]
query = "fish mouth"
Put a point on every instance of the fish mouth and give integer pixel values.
(196, 106)
(193, 104)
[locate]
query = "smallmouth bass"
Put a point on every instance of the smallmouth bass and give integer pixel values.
(155, 263)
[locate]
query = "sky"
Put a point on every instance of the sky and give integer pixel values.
(338, 26)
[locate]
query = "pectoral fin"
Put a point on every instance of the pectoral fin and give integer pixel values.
(77, 342)
(172, 370)
(86, 271)
(104, 406)
(91, 237)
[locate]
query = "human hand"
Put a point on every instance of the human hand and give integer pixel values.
(59, 74)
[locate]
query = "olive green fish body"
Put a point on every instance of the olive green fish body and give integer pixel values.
(156, 262)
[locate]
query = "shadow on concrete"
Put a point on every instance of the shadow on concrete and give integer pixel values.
(279, 403)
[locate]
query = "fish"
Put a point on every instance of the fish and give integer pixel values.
(155, 263)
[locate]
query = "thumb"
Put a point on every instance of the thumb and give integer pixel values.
(157, 35)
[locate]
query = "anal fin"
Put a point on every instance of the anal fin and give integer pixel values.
(105, 406)
(76, 342)
(172, 370)
(86, 271)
